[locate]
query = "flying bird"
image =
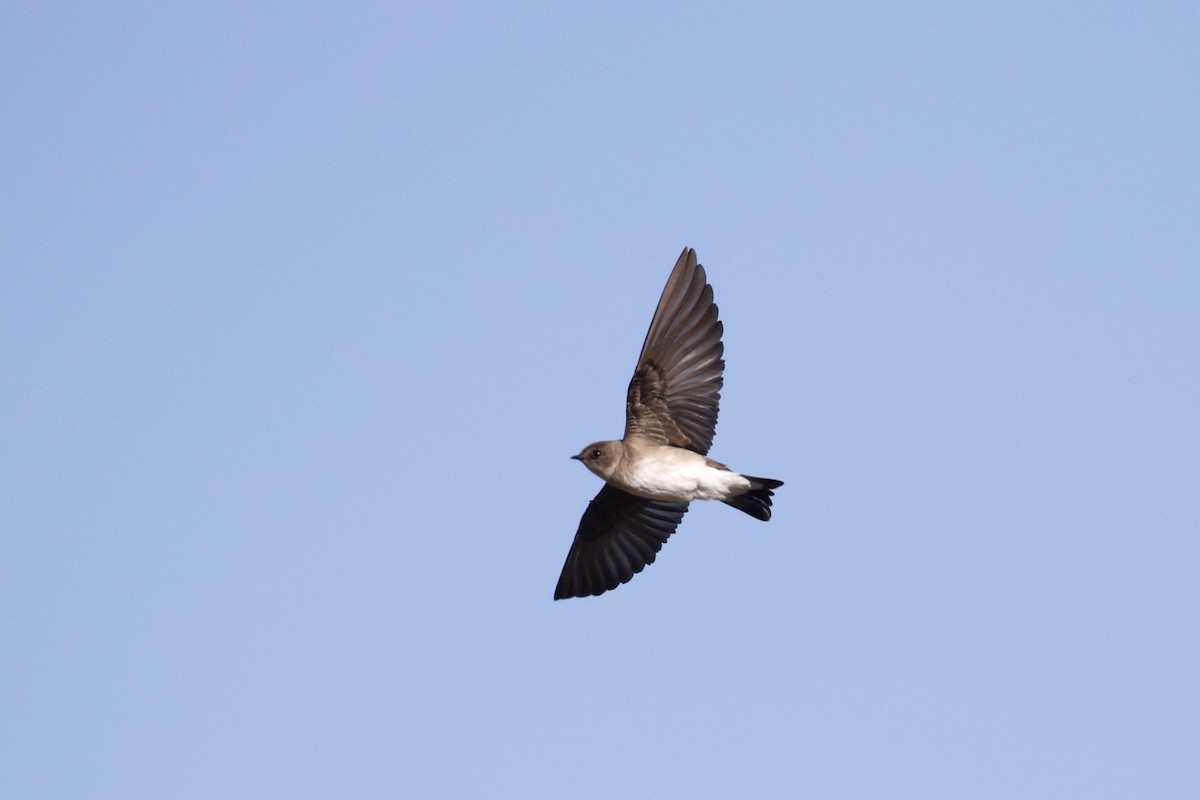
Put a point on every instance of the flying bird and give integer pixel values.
(661, 464)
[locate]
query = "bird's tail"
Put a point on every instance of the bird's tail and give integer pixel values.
(757, 501)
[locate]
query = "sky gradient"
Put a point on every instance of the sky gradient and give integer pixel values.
(303, 310)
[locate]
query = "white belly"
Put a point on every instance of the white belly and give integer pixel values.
(671, 473)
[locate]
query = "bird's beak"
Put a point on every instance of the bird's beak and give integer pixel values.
(577, 458)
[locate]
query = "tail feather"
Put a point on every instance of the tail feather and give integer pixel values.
(757, 501)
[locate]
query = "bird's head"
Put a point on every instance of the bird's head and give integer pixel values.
(601, 457)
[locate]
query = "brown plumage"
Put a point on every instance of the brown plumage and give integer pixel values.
(660, 464)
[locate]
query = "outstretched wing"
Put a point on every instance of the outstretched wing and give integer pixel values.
(618, 536)
(676, 389)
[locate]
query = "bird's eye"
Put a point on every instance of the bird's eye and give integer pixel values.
(595, 452)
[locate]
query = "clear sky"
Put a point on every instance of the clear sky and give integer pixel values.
(303, 308)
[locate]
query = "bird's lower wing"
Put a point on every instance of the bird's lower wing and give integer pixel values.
(618, 536)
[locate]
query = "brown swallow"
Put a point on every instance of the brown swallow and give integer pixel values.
(661, 464)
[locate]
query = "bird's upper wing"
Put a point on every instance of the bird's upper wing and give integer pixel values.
(676, 388)
(618, 536)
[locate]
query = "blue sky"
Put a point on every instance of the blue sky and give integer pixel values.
(303, 309)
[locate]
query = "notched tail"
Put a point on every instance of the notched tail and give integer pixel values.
(757, 501)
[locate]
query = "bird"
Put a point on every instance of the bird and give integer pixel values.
(661, 463)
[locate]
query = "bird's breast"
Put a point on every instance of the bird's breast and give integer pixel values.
(672, 473)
